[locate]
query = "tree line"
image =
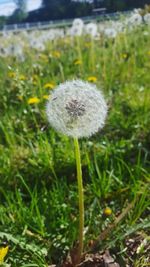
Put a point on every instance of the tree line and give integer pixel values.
(64, 9)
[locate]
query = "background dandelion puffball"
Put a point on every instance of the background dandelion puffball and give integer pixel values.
(76, 108)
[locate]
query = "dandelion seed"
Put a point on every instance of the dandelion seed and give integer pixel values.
(33, 100)
(76, 108)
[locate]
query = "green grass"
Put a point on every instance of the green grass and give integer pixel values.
(38, 189)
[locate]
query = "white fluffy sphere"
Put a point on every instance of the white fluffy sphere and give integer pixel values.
(91, 29)
(147, 18)
(78, 23)
(76, 108)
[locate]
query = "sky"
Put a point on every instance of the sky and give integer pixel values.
(7, 7)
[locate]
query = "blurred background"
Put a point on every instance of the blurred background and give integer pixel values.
(21, 11)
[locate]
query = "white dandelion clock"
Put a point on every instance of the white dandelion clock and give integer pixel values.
(147, 18)
(134, 20)
(110, 33)
(75, 31)
(77, 109)
(78, 23)
(91, 29)
(77, 27)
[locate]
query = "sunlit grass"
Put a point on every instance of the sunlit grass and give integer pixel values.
(38, 193)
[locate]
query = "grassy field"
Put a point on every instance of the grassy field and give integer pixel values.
(38, 189)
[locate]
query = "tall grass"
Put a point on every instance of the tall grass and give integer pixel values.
(38, 208)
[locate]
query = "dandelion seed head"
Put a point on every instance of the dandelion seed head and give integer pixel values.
(91, 29)
(76, 31)
(147, 18)
(110, 32)
(78, 23)
(134, 20)
(76, 108)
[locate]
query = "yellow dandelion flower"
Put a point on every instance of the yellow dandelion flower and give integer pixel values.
(56, 54)
(33, 100)
(148, 53)
(35, 77)
(77, 62)
(11, 74)
(124, 55)
(22, 77)
(46, 96)
(34, 83)
(49, 85)
(92, 79)
(67, 40)
(20, 97)
(43, 57)
(107, 211)
(88, 45)
(3, 253)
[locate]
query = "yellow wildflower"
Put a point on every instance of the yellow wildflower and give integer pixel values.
(92, 79)
(148, 53)
(87, 45)
(20, 97)
(33, 100)
(35, 77)
(22, 77)
(77, 62)
(3, 253)
(11, 74)
(34, 83)
(49, 85)
(124, 55)
(67, 40)
(43, 57)
(107, 211)
(56, 54)
(46, 96)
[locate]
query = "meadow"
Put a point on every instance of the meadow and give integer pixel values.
(38, 189)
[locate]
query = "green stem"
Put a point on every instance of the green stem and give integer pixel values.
(92, 56)
(81, 197)
(78, 40)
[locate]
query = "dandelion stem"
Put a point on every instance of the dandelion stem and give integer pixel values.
(81, 197)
